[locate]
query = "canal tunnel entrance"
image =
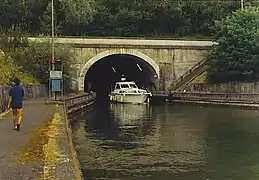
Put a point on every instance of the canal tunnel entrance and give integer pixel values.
(103, 74)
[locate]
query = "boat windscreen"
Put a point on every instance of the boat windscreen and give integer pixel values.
(133, 86)
(124, 86)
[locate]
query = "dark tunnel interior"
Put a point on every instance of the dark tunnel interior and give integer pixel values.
(103, 74)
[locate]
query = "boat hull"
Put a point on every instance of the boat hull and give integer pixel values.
(129, 98)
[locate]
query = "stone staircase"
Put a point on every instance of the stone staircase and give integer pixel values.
(180, 83)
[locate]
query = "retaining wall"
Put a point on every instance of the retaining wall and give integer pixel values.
(250, 87)
(31, 92)
(231, 94)
(72, 105)
(217, 97)
(79, 102)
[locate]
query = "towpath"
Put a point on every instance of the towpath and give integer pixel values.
(40, 150)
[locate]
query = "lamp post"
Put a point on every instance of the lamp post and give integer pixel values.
(53, 48)
(52, 27)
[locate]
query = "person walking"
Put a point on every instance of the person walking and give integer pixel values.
(15, 102)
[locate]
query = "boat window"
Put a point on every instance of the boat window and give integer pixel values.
(117, 86)
(124, 86)
(133, 86)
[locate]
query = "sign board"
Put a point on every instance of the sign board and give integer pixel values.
(76, 66)
(56, 85)
(55, 74)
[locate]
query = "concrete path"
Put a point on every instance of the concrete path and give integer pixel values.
(19, 157)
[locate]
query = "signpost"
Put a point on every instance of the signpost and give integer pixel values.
(55, 74)
(56, 80)
(56, 85)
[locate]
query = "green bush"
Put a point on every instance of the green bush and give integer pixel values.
(8, 69)
(236, 57)
(33, 59)
(36, 59)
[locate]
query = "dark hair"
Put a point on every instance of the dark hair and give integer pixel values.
(16, 81)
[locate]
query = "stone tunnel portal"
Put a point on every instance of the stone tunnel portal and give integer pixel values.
(103, 74)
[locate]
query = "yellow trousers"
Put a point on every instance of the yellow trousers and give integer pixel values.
(17, 116)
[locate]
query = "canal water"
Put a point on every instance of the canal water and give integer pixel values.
(167, 142)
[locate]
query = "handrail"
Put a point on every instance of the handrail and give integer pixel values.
(77, 96)
(189, 78)
(74, 101)
(188, 73)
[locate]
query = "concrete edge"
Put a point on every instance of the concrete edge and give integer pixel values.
(211, 103)
(76, 164)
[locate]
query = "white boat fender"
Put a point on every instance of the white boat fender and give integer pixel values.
(148, 100)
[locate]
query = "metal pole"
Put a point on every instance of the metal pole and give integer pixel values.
(53, 50)
(242, 5)
(49, 89)
(62, 89)
(52, 19)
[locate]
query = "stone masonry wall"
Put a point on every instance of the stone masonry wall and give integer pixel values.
(252, 87)
(31, 92)
(174, 57)
(173, 62)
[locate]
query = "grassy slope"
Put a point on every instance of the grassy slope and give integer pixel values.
(8, 70)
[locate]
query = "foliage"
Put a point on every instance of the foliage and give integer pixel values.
(157, 17)
(116, 17)
(34, 16)
(34, 57)
(8, 70)
(69, 16)
(236, 57)
(10, 39)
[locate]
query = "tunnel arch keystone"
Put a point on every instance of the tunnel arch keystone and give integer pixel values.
(107, 53)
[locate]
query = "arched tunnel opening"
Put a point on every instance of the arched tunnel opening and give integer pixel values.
(103, 74)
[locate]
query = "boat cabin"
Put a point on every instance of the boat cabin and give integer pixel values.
(125, 85)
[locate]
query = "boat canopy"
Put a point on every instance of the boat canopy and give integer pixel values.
(123, 85)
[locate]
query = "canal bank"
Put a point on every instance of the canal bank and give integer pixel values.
(70, 168)
(240, 100)
(71, 106)
(234, 94)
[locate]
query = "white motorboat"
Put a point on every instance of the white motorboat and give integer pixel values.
(128, 92)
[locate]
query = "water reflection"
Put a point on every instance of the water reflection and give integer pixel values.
(130, 115)
(122, 141)
(125, 139)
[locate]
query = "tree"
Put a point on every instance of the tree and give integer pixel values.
(69, 15)
(116, 17)
(74, 15)
(12, 14)
(34, 58)
(8, 70)
(236, 57)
